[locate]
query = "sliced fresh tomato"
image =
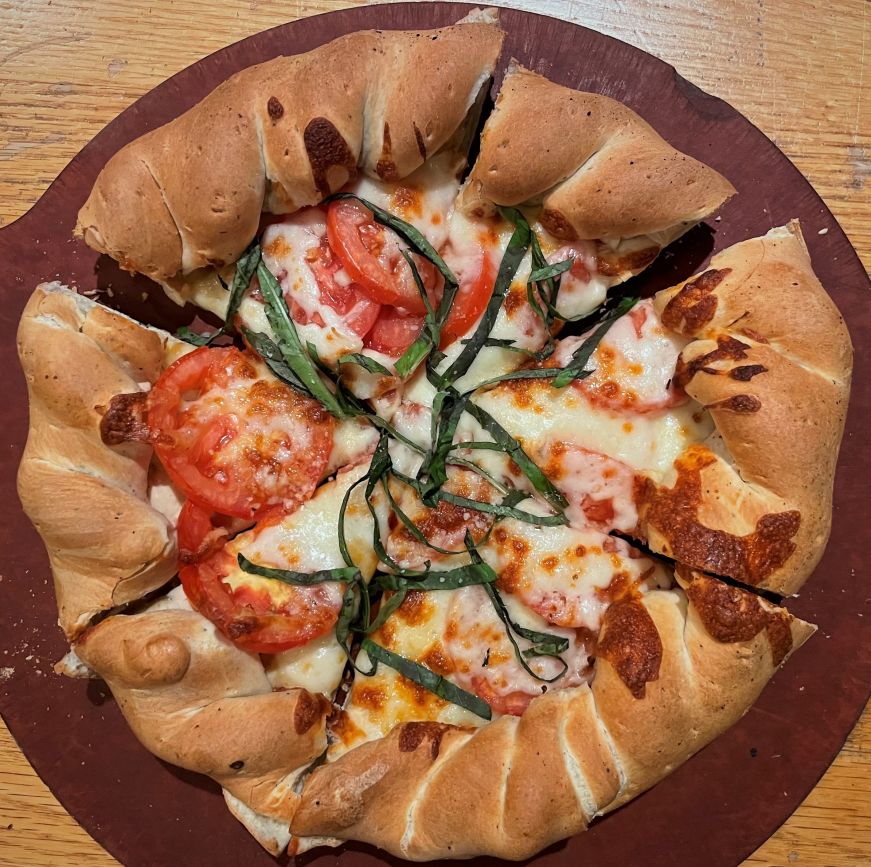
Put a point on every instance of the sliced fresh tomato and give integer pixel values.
(393, 332)
(471, 300)
(251, 616)
(233, 438)
(372, 257)
(349, 300)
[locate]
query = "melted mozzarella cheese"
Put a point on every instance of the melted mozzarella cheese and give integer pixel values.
(566, 575)
(316, 666)
(634, 363)
(537, 415)
(378, 703)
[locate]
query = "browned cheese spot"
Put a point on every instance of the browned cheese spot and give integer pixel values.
(673, 512)
(415, 608)
(275, 108)
(326, 149)
(741, 403)
(557, 224)
(437, 660)
(386, 167)
(421, 144)
(694, 306)
(413, 734)
(309, 710)
(728, 349)
(125, 420)
(631, 644)
(612, 264)
(731, 615)
(746, 372)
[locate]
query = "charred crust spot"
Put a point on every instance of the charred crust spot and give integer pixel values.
(237, 765)
(385, 168)
(412, 735)
(612, 264)
(126, 419)
(631, 644)
(275, 108)
(728, 349)
(695, 305)
(309, 710)
(421, 144)
(731, 615)
(746, 372)
(741, 403)
(326, 149)
(673, 512)
(557, 224)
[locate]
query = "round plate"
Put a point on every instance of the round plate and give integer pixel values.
(714, 810)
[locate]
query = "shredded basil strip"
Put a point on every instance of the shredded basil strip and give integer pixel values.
(515, 451)
(548, 272)
(434, 470)
(299, 579)
(543, 643)
(583, 353)
(449, 579)
(429, 332)
(504, 511)
(428, 679)
(518, 244)
(368, 364)
(289, 344)
(246, 265)
(272, 357)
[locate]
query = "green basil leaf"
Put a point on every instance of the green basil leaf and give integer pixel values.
(289, 344)
(514, 253)
(299, 579)
(527, 466)
(194, 337)
(368, 364)
(583, 353)
(503, 511)
(548, 272)
(428, 679)
(450, 579)
(273, 359)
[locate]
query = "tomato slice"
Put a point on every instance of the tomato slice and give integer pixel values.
(350, 301)
(233, 438)
(393, 332)
(471, 300)
(252, 615)
(372, 257)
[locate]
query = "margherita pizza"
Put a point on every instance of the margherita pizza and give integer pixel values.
(441, 542)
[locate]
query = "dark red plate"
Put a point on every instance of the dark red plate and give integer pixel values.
(713, 811)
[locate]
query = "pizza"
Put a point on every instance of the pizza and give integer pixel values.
(442, 540)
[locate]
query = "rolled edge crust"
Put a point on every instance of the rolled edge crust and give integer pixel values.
(515, 786)
(88, 501)
(771, 360)
(283, 135)
(597, 168)
(197, 701)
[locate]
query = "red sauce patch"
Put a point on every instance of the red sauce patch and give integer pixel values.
(631, 644)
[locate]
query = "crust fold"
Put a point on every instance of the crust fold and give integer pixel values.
(89, 502)
(429, 789)
(597, 168)
(771, 360)
(283, 135)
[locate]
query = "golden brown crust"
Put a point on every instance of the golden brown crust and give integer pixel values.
(597, 168)
(771, 360)
(283, 135)
(88, 501)
(197, 701)
(519, 784)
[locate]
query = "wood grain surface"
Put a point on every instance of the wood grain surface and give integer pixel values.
(797, 69)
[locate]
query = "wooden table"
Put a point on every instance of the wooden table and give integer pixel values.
(795, 68)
